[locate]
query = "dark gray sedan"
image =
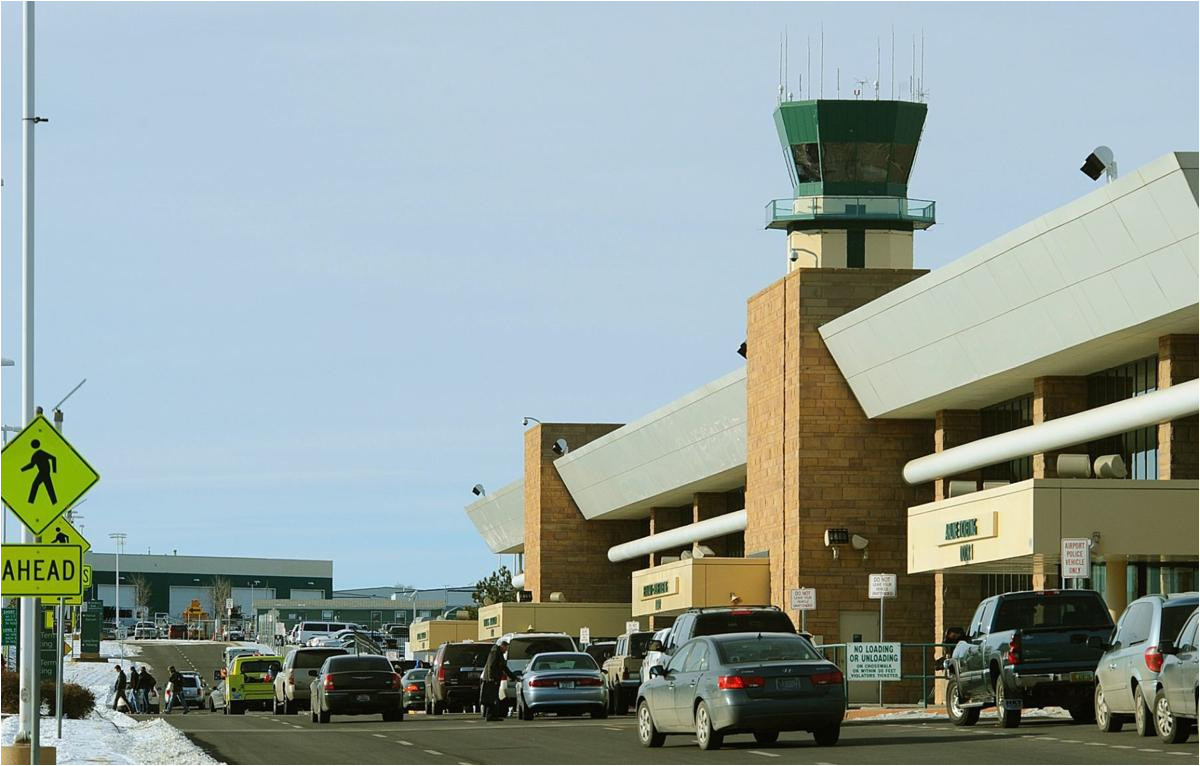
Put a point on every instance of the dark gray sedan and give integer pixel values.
(742, 683)
(1175, 698)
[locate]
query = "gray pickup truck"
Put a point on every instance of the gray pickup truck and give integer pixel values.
(1027, 649)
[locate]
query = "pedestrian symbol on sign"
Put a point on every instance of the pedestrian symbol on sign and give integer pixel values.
(60, 536)
(46, 464)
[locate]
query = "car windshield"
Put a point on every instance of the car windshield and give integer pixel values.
(349, 662)
(316, 659)
(1173, 618)
(742, 621)
(736, 651)
(416, 675)
(260, 666)
(564, 662)
(637, 645)
(190, 680)
(522, 650)
(1051, 611)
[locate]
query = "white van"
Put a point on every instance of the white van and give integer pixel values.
(310, 630)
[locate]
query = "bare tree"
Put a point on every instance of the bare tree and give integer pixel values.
(142, 591)
(222, 589)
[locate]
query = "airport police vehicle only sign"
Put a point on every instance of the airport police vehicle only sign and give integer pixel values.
(873, 662)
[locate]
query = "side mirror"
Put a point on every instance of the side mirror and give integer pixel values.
(1167, 647)
(217, 675)
(1097, 642)
(658, 670)
(953, 635)
(654, 646)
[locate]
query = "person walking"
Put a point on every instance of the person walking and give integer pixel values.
(495, 670)
(119, 689)
(175, 690)
(135, 680)
(146, 684)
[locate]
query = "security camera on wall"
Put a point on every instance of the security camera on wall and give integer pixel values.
(858, 542)
(837, 537)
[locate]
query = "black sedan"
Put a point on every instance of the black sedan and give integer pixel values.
(742, 683)
(413, 683)
(357, 684)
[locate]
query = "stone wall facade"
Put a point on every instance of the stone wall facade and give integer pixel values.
(1177, 439)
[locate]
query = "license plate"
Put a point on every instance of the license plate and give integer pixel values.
(472, 676)
(1012, 704)
(566, 684)
(788, 683)
(363, 698)
(1083, 676)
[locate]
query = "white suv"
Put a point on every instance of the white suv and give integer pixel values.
(145, 630)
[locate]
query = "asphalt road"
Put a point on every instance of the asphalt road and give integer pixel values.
(201, 656)
(256, 738)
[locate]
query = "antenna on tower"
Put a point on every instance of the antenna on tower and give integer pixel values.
(878, 65)
(893, 62)
(921, 88)
(839, 82)
(862, 86)
(781, 68)
(785, 56)
(822, 59)
(808, 67)
(912, 80)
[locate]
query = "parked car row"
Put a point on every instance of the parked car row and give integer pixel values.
(1060, 648)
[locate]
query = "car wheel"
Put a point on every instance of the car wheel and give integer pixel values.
(312, 715)
(1005, 718)
(1082, 713)
(428, 709)
(239, 710)
(769, 737)
(600, 712)
(1106, 719)
(523, 711)
(1143, 719)
(706, 738)
(438, 708)
(323, 716)
(393, 715)
(827, 736)
(1170, 729)
(648, 734)
(959, 715)
(211, 707)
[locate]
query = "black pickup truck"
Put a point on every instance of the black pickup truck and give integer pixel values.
(1027, 649)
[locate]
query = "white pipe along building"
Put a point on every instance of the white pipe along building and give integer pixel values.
(685, 535)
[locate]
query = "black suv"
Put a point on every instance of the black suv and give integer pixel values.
(711, 622)
(453, 681)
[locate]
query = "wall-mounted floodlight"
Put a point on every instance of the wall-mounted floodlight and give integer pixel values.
(525, 421)
(478, 490)
(742, 349)
(560, 447)
(1100, 162)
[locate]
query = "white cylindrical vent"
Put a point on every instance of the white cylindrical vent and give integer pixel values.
(1172, 403)
(701, 530)
(1071, 466)
(996, 483)
(1109, 467)
(518, 581)
(557, 597)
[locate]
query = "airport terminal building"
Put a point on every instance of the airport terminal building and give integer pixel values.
(951, 427)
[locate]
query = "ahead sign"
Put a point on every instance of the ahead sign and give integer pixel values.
(881, 586)
(34, 569)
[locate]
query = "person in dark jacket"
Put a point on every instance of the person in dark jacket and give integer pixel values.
(175, 687)
(495, 670)
(119, 689)
(146, 684)
(135, 704)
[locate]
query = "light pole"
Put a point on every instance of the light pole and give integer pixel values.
(119, 537)
(253, 614)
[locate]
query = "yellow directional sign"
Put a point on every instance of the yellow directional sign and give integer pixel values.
(40, 569)
(87, 583)
(87, 576)
(41, 475)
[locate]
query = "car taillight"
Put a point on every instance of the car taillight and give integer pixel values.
(397, 682)
(412, 688)
(740, 682)
(291, 678)
(830, 677)
(1154, 659)
(740, 611)
(441, 673)
(626, 675)
(589, 682)
(540, 682)
(1014, 649)
(328, 682)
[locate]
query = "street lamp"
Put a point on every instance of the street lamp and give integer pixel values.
(119, 537)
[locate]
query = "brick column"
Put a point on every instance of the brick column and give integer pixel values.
(709, 505)
(955, 595)
(662, 519)
(1055, 397)
(563, 550)
(1177, 439)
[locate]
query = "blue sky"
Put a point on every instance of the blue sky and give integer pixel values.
(317, 260)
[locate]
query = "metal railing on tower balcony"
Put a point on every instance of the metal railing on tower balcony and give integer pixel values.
(918, 212)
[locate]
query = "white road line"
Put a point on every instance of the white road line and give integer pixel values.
(1148, 750)
(613, 728)
(1123, 747)
(1071, 741)
(381, 736)
(433, 752)
(1095, 744)
(402, 742)
(762, 752)
(1176, 752)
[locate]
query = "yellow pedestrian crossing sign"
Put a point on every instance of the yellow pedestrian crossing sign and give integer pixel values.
(41, 475)
(62, 532)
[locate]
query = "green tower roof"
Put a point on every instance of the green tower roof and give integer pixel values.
(863, 148)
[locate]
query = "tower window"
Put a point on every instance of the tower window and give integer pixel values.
(856, 248)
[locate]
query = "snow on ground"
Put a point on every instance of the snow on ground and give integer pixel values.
(107, 736)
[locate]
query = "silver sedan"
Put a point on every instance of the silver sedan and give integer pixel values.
(562, 682)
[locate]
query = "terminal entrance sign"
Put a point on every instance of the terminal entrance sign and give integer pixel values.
(41, 475)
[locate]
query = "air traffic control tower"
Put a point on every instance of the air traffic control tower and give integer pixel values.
(850, 162)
